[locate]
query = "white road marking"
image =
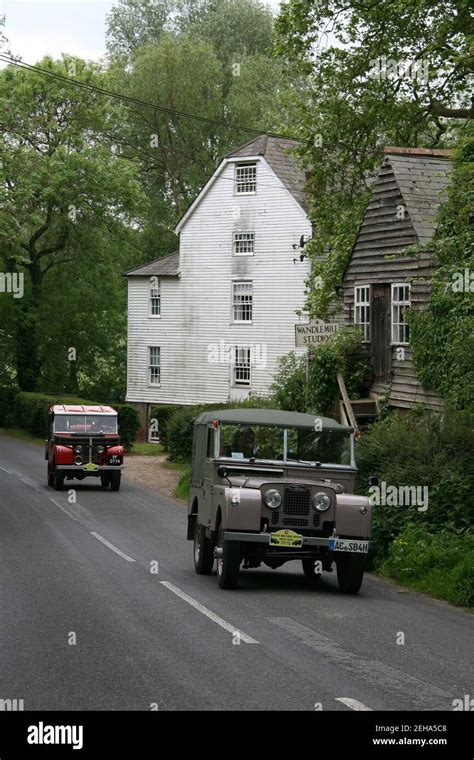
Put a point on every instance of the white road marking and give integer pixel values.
(208, 613)
(26, 481)
(111, 546)
(29, 483)
(65, 510)
(370, 671)
(353, 704)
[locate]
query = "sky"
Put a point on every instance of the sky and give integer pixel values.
(36, 28)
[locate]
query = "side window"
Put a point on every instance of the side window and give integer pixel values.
(362, 309)
(400, 309)
(155, 297)
(210, 443)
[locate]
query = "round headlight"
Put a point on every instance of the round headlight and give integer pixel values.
(100, 449)
(78, 449)
(321, 502)
(272, 498)
(78, 460)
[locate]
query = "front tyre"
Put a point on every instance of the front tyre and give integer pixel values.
(58, 479)
(203, 551)
(350, 572)
(50, 478)
(228, 562)
(105, 480)
(115, 478)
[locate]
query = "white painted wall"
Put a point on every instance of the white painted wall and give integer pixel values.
(196, 308)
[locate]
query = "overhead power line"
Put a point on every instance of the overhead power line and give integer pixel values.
(137, 101)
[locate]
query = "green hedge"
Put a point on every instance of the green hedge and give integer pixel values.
(179, 430)
(129, 423)
(162, 413)
(7, 405)
(420, 448)
(30, 412)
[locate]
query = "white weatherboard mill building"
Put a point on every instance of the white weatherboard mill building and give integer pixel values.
(208, 323)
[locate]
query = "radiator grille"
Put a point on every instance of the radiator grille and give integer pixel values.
(296, 501)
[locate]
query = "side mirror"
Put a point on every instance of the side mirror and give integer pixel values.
(222, 472)
(373, 480)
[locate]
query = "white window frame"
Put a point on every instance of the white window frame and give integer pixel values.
(239, 364)
(154, 294)
(246, 239)
(399, 327)
(362, 309)
(236, 304)
(154, 366)
(242, 183)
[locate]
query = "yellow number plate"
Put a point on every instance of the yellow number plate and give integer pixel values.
(286, 538)
(90, 467)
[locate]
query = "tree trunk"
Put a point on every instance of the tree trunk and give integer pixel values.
(28, 364)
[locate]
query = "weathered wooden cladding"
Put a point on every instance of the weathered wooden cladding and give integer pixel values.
(401, 214)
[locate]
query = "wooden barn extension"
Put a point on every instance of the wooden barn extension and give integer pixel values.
(384, 278)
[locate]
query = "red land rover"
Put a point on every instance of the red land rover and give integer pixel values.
(83, 441)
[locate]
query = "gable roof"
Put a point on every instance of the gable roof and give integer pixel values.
(423, 176)
(167, 266)
(277, 152)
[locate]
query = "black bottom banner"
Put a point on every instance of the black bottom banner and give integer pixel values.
(143, 735)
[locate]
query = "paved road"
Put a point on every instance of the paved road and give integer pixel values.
(86, 623)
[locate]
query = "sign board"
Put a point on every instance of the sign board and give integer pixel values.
(312, 334)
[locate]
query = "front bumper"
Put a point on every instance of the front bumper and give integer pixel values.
(80, 468)
(308, 541)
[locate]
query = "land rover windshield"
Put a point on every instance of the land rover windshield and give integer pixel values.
(273, 443)
(85, 424)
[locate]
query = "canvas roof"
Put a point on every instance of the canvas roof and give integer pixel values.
(81, 409)
(278, 417)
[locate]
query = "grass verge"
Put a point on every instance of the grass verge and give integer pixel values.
(146, 449)
(21, 435)
(440, 564)
(182, 489)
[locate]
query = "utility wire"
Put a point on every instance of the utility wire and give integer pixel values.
(136, 101)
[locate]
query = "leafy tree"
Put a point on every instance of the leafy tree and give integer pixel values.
(237, 30)
(210, 59)
(62, 189)
(134, 23)
(378, 73)
(175, 153)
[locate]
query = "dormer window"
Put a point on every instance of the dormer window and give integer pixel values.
(246, 179)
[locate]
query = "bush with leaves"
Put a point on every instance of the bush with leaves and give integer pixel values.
(342, 353)
(420, 448)
(441, 564)
(7, 405)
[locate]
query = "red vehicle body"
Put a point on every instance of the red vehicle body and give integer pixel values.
(83, 442)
